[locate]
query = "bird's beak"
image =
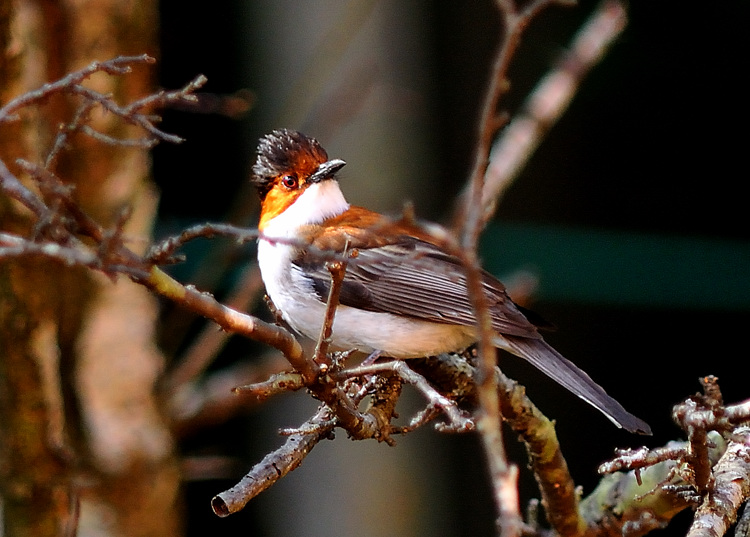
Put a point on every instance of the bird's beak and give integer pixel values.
(326, 170)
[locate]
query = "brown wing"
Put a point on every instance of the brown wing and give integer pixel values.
(411, 277)
(414, 278)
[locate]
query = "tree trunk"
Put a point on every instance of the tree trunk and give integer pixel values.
(82, 438)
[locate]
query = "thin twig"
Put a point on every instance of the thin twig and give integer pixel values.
(127, 262)
(489, 417)
(146, 123)
(711, 471)
(338, 271)
(457, 421)
(116, 66)
(165, 97)
(14, 189)
(163, 251)
(275, 384)
(66, 131)
(140, 143)
(130, 113)
(471, 219)
(549, 100)
(275, 465)
(421, 418)
(631, 459)
(13, 247)
(86, 225)
(698, 416)
(502, 475)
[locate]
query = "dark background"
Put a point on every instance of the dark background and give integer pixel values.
(654, 145)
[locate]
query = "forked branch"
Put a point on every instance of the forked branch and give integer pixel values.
(710, 472)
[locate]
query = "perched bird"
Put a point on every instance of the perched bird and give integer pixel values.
(401, 294)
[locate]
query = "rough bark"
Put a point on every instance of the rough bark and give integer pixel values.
(79, 423)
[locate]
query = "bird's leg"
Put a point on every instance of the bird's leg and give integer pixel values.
(372, 358)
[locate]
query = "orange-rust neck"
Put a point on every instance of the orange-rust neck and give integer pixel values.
(275, 203)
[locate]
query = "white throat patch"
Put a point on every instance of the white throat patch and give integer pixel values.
(317, 203)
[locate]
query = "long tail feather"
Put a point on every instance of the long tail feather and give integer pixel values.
(566, 373)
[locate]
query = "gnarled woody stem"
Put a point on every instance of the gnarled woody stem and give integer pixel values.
(268, 471)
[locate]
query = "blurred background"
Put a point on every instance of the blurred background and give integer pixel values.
(632, 215)
(631, 219)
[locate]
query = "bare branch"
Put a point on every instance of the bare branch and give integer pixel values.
(514, 23)
(275, 465)
(109, 254)
(549, 100)
(631, 459)
(131, 113)
(228, 318)
(274, 385)
(710, 471)
(13, 246)
(55, 189)
(423, 417)
(454, 375)
(632, 503)
(475, 207)
(66, 131)
(697, 416)
(731, 488)
(503, 476)
(164, 251)
(117, 66)
(488, 379)
(457, 421)
(338, 271)
(10, 184)
(140, 143)
(164, 98)
(695, 422)
(738, 413)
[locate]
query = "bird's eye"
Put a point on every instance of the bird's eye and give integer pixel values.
(289, 181)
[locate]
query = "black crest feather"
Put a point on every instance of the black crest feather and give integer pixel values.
(282, 151)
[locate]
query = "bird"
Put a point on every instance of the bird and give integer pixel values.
(402, 296)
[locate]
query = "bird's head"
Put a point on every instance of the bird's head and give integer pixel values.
(288, 164)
